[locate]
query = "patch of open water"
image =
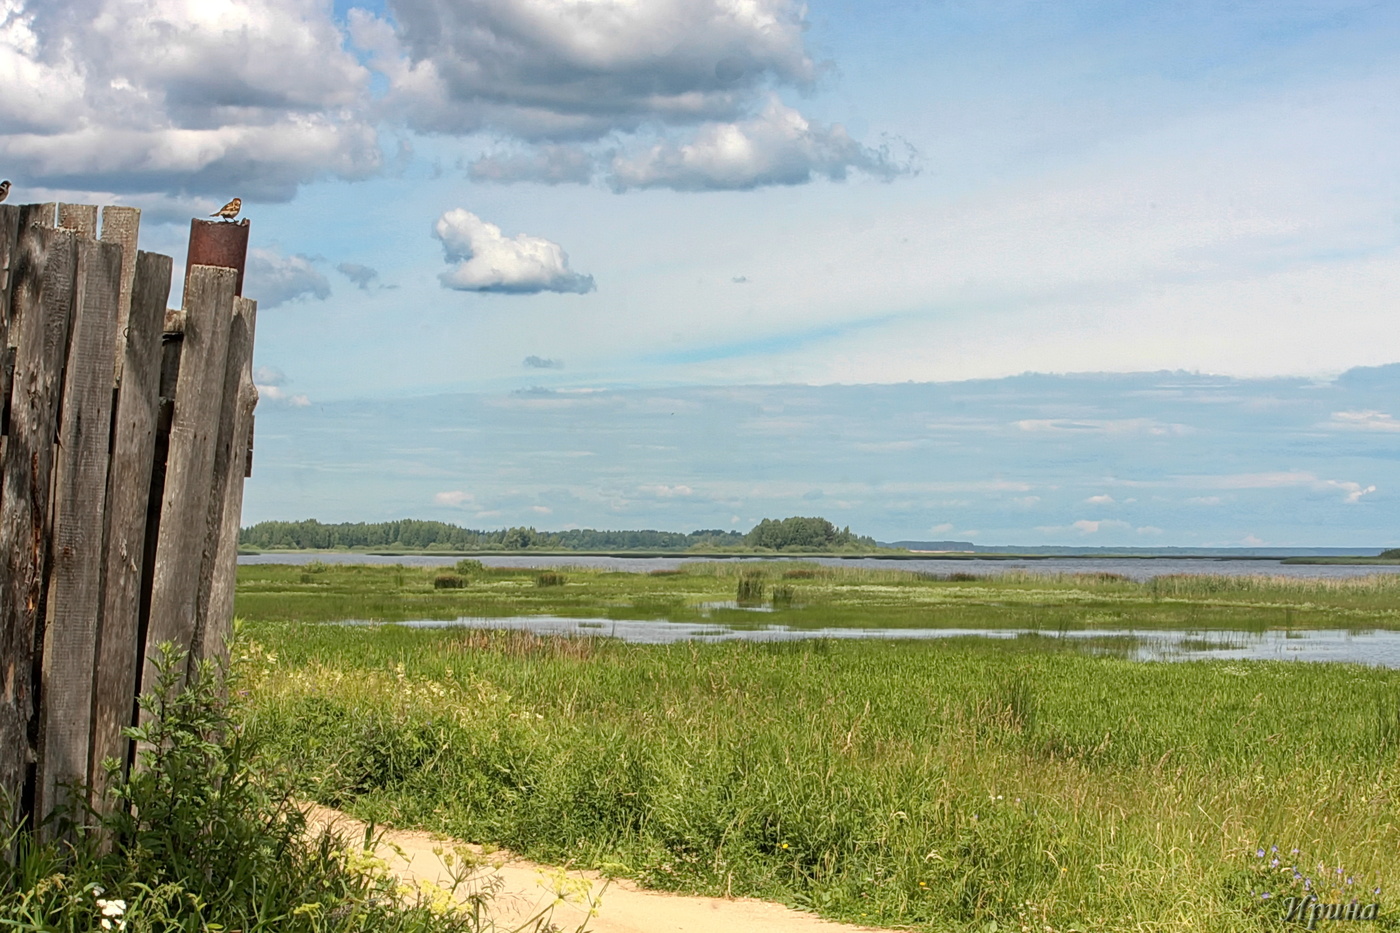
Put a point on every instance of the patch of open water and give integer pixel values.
(1375, 648)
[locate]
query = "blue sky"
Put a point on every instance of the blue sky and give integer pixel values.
(711, 200)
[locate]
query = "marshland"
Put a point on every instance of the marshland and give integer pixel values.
(966, 783)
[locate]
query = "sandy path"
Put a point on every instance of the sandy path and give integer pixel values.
(622, 908)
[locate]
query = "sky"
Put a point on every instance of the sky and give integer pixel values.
(1077, 272)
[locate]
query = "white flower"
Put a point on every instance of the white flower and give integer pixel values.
(112, 908)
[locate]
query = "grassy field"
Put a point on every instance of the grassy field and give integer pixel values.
(955, 785)
(810, 595)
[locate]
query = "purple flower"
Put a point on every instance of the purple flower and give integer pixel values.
(1274, 864)
(1265, 896)
(1260, 853)
(1307, 884)
(1273, 848)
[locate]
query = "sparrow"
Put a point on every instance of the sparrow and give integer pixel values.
(229, 210)
(4, 189)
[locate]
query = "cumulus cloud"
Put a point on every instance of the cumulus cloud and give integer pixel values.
(165, 96)
(539, 362)
(546, 70)
(274, 278)
(454, 497)
(364, 277)
(1100, 500)
(777, 147)
(486, 260)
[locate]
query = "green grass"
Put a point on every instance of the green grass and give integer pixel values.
(815, 596)
(965, 784)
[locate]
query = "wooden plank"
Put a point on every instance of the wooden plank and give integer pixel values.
(226, 504)
(80, 218)
(122, 225)
(42, 296)
(128, 498)
(75, 556)
(9, 243)
(189, 469)
(42, 215)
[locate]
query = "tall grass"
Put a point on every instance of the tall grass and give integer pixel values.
(205, 838)
(958, 785)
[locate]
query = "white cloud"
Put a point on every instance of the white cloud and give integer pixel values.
(1354, 491)
(1086, 526)
(541, 510)
(943, 528)
(778, 147)
(1100, 500)
(274, 278)
(488, 261)
(546, 69)
(166, 96)
(666, 492)
(454, 497)
(274, 393)
(1205, 500)
(1368, 420)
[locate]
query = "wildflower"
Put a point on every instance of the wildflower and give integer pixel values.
(1260, 853)
(1265, 896)
(1273, 848)
(112, 911)
(1274, 864)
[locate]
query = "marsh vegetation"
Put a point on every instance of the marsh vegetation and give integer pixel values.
(964, 784)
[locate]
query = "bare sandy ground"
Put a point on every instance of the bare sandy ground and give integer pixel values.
(618, 906)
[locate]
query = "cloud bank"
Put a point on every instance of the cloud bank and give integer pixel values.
(486, 260)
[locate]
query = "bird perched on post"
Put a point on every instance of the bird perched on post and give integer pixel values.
(4, 189)
(229, 210)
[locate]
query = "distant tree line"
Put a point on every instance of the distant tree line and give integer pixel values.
(804, 534)
(411, 534)
(792, 534)
(1392, 554)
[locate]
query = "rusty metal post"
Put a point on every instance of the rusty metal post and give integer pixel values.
(218, 243)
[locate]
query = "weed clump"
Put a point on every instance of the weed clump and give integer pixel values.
(750, 589)
(549, 578)
(448, 581)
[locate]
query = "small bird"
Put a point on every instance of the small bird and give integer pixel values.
(4, 189)
(229, 210)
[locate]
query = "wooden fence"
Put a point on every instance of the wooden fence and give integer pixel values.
(125, 437)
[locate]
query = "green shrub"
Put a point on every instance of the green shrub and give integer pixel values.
(549, 579)
(1392, 554)
(448, 581)
(783, 596)
(467, 566)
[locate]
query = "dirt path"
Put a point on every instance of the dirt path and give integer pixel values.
(527, 888)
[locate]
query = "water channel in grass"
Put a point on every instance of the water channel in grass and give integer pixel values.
(1371, 647)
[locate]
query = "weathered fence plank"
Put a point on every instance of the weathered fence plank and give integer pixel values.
(128, 497)
(80, 218)
(80, 483)
(184, 511)
(226, 504)
(41, 303)
(122, 225)
(9, 243)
